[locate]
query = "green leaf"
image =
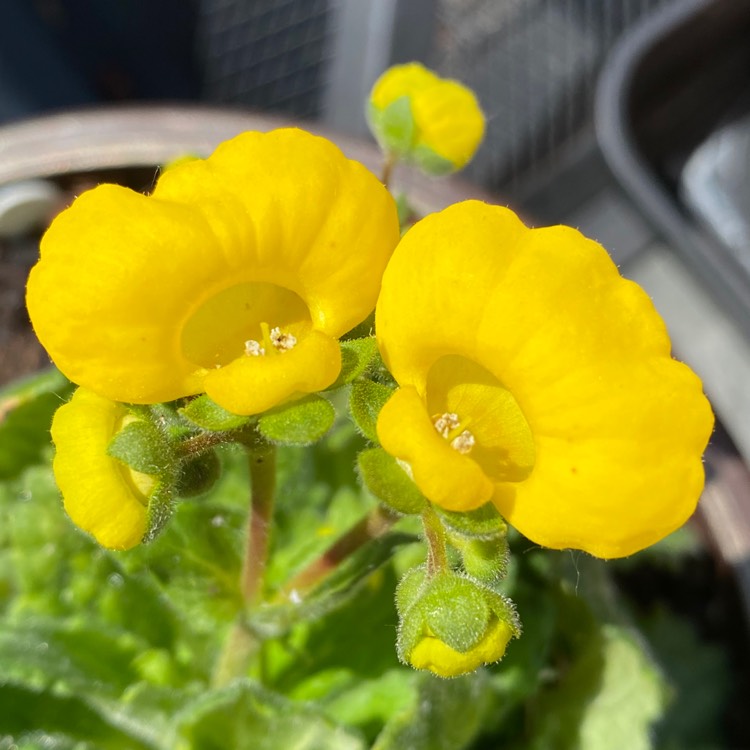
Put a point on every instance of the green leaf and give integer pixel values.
(245, 715)
(26, 410)
(366, 400)
(301, 422)
(446, 715)
(338, 588)
(393, 127)
(389, 482)
(208, 415)
(611, 696)
(356, 357)
(39, 719)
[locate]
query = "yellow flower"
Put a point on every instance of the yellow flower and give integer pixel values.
(534, 376)
(235, 277)
(101, 494)
(418, 115)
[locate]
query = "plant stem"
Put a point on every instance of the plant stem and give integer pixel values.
(434, 533)
(371, 527)
(388, 165)
(262, 462)
(241, 644)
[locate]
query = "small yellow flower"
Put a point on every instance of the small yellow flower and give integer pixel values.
(534, 376)
(101, 494)
(430, 120)
(235, 277)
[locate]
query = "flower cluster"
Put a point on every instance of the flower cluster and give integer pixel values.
(531, 379)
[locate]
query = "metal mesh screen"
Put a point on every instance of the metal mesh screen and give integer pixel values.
(534, 65)
(265, 54)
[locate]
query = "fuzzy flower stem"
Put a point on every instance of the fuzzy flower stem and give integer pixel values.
(437, 557)
(241, 645)
(262, 461)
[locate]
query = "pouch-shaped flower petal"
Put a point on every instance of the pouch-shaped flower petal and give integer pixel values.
(433, 121)
(534, 376)
(101, 494)
(235, 277)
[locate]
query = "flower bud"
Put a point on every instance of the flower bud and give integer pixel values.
(451, 625)
(418, 116)
(112, 473)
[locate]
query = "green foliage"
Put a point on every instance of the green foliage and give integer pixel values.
(244, 715)
(431, 162)
(366, 400)
(386, 480)
(300, 422)
(116, 651)
(26, 410)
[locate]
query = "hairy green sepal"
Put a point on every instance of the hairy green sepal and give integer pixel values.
(356, 357)
(300, 422)
(207, 414)
(366, 400)
(386, 480)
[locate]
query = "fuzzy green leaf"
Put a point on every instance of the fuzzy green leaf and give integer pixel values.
(611, 696)
(245, 715)
(26, 410)
(445, 715)
(389, 482)
(366, 400)
(208, 415)
(301, 422)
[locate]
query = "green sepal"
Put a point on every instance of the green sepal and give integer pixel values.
(482, 523)
(430, 162)
(198, 475)
(406, 213)
(143, 447)
(208, 415)
(160, 510)
(366, 400)
(300, 422)
(356, 357)
(393, 127)
(410, 587)
(455, 610)
(386, 480)
(484, 559)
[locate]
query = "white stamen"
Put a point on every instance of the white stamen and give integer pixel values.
(282, 341)
(253, 348)
(463, 443)
(444, 423)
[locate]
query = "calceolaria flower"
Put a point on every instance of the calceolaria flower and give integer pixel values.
(234, 278)
(534, 376)
(102, 495)
(416, 115)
